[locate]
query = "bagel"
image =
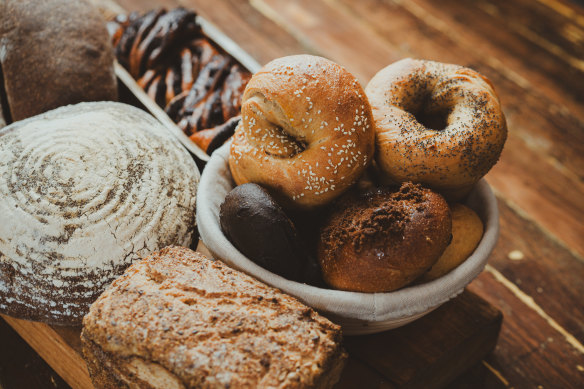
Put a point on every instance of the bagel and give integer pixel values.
(306, 133)
(435, 123)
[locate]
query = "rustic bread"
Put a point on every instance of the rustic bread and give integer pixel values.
(179, 320)
(84, 191)
(53, 53)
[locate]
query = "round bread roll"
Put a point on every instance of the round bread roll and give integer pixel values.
(437, 124)
(259, 228)
(381, 240)
(84, 191)
(52, 53)
(467, 231)
(306, 132)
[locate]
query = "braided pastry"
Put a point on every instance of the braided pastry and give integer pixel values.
(198, 85)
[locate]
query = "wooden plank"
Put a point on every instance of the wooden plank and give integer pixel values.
(259, 36)
(434, 350)
(533, 110)
(530, 352)
(59, 352)
(21, 366)
(541, 268)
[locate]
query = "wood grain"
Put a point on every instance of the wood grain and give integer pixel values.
(55, 349)
(529, 351)
(555, 202)
(532, 51)
(435, 349)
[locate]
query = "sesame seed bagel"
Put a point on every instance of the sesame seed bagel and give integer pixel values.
(306, 132)
(437, 124)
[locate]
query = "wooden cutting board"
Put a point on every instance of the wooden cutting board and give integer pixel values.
(428, 353)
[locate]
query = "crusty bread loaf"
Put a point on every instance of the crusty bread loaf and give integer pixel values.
(179, 320)
(85, 190)
(53, 53)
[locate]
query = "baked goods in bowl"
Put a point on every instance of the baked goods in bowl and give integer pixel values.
(437, 124)
(179, 320)
(53, 53)
(85, 190)
(357, 312)
(306, 133)
(384, 238)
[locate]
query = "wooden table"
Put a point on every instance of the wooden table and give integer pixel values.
(533, 52)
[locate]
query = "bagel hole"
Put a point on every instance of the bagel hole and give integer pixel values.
(433, 120)
(287, 146)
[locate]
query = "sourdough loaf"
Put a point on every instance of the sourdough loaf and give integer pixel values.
(179, 320)
(84, 191)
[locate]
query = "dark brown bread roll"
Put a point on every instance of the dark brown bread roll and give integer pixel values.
(383, 239)
(179, 320)
(53, 53)
(258, 227)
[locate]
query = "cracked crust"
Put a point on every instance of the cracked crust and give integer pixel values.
(84, 191)
(177, 319)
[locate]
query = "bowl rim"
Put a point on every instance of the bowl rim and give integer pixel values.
(216, 182)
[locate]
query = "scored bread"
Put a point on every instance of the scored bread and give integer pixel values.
(179, 320)
(85, 190)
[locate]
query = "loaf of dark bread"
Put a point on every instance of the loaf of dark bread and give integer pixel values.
(179, 320)
(53, 53)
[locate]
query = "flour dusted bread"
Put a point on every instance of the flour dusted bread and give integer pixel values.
(52, 53)
(179, 320)
(84, 191)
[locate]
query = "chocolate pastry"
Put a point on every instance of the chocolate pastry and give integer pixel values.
(198, 85)
(383, 239)
(258, 227)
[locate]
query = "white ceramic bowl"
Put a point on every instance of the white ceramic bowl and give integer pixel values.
(357, 313)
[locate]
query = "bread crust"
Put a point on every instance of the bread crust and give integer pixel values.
(54, 53)
(207, 325)
(467, 231)
(306, 132)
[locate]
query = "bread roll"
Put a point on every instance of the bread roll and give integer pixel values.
(179, 320)
(467, 231)
(383, 239)
(53, 53)
(84, 191)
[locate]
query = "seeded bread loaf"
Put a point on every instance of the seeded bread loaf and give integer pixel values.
(179, 320)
